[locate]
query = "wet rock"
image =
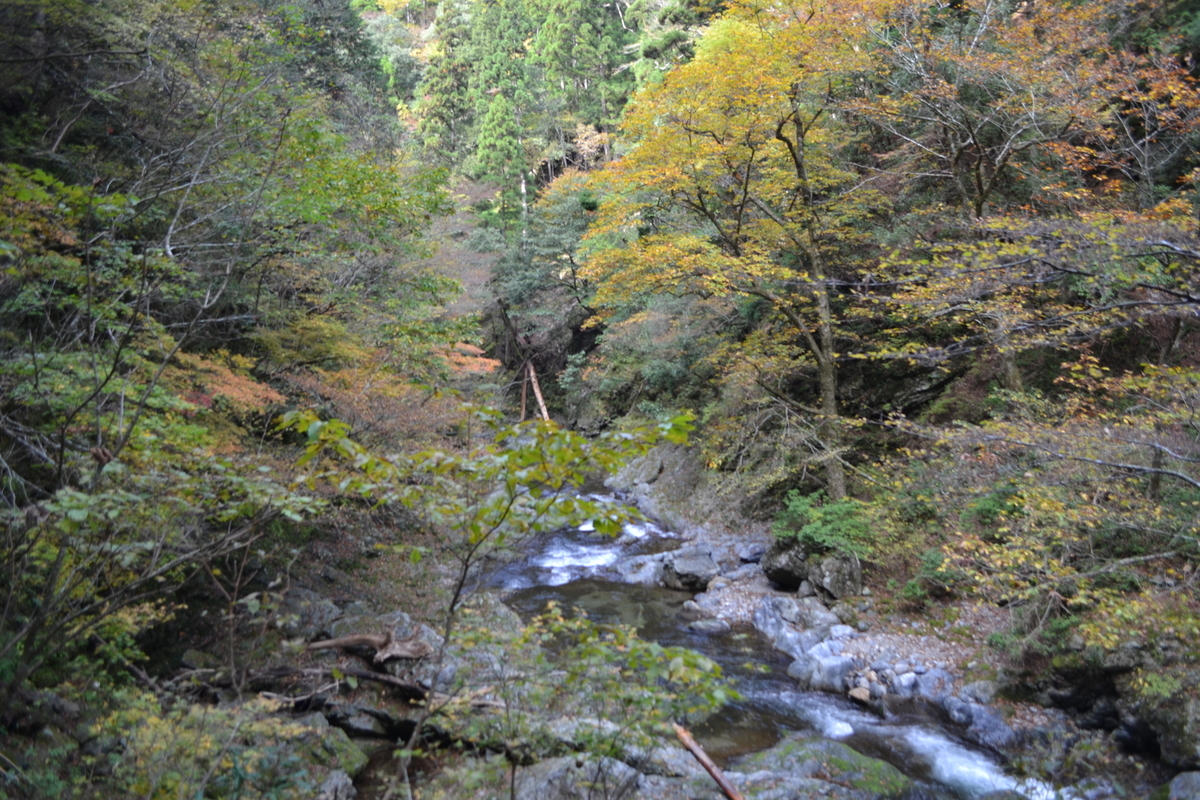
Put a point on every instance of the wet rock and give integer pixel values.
(337, 786)
(989, 729)
(840, 576)
(980, 691)
(959, 711)
(796, 643)
(801, 670)
(712, 625)
(829, 673)
(306, 614)
(785, 563)
(641, 570)
(807, 756)
(689, 569)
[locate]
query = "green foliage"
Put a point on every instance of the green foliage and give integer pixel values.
(191, 750)
(586, 686)
(823, 526)
(519, 479)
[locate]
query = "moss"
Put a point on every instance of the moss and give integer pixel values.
(810, 756)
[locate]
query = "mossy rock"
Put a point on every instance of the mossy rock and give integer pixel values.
(330, 747)
(807, 755)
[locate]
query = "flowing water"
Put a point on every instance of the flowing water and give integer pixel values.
(574, 569)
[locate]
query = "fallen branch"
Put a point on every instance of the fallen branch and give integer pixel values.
(385, 646)
(717, 775)
(409, 690)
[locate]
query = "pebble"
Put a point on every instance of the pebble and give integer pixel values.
(902, 667)
(920, 669)
(863, 626)
(866, 592)
(880, 665)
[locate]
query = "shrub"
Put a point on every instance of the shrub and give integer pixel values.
(839, 526)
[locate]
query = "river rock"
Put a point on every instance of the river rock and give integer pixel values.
(860, 694)
(934, 684)
(752, 553)
(804, 755)
(958, 710)
(689, 569)
(572, 778)
(786, 563)
(840, 576)
(812, 613)
(989, 729)
(641, 570)
(1185, 786)
(904, 685)
(711, 625)
(829, 673)
(801, 670)
(980, 691)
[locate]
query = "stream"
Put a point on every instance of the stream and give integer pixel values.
(574, 569)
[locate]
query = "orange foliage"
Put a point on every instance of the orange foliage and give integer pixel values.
(212, 380)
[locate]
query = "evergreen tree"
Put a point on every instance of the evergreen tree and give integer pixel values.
(446, 110)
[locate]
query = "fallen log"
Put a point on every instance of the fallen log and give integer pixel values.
(385, 646)
(717, 775)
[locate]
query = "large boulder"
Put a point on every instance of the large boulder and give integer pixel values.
(1177, 724)
(812, 613)
(641, 570)
(1185, 786)
(805, 755)
(829, 673)
(839, 575)
(572, 778)
(689, 569)
(328, 746)
(786, 563)
(306, 614)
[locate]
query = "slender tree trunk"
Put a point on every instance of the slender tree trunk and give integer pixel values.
(831, 434)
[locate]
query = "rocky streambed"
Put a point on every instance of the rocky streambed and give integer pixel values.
(835, 702)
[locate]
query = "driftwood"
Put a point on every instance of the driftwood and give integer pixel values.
(717, 775)
(385, 646)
